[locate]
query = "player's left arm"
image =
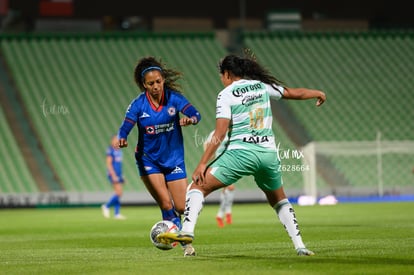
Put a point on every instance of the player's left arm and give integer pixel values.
(304, 93)
(192, 116)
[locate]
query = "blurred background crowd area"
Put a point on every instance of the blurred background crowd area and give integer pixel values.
(62, 62)
(226, 18)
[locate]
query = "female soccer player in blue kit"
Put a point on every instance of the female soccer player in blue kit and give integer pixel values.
(115, 177)
(160, 150)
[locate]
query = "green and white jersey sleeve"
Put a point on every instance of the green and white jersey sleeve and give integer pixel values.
(247, 104)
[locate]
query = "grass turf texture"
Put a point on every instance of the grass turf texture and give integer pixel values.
(361, 238)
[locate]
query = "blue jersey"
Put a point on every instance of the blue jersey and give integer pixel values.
(160, 136)
(116, 156)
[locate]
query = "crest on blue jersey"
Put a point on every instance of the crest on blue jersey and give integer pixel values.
(172, 111)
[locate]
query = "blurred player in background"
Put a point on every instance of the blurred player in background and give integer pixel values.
(243, 109)
(227, 193)
(160, 150)
(114, 172)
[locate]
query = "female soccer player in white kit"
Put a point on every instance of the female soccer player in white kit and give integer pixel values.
(243, 110)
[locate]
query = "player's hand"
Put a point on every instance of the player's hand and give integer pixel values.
(122, 143)
(185, 121)
(115, 143)
(321, 99)
(198, 174)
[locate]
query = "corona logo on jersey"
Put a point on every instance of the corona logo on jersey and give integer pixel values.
(239, 91)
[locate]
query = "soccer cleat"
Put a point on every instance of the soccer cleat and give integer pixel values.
(189, 250)
(170, 237)
(220, 222)
(304, 252)
(119, 217)
(105, 211)
(229, 219)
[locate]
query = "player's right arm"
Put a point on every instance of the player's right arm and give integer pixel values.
(129, 122)
(222, 125)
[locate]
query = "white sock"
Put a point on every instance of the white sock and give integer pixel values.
(228, 200)
(193, 206)
(287, 217)
(221, 210)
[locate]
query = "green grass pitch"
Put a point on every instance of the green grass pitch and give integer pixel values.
(360, 238)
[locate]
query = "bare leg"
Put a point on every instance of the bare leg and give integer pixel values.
(178, 189)
(157, 187)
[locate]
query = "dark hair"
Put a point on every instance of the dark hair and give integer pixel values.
(247, 68)
(150, 63)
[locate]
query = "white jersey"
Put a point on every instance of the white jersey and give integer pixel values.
(247, 104)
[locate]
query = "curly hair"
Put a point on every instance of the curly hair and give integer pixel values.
(151, 63)
(247, 67)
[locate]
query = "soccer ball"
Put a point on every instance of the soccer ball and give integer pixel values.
(162, 227)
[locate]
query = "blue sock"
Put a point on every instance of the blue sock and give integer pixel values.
(172, 215)
(114, 201)
(117, 208)
(117, 205)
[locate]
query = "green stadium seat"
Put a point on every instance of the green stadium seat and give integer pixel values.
(89, 82)
(15, 176)
(88, 79)
(367, 78)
